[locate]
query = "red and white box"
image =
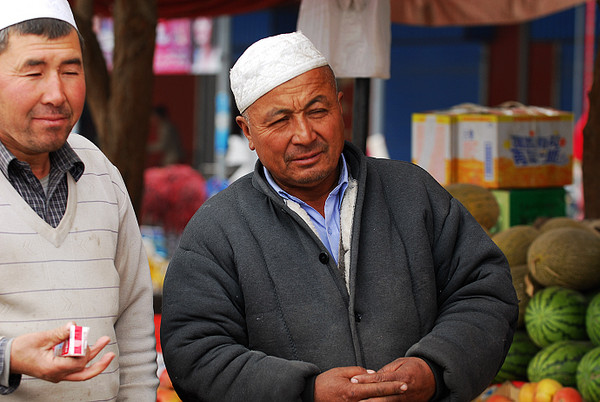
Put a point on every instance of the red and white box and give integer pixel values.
(77, 343)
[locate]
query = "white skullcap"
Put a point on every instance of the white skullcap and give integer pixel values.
(269, 63)
(16, 11)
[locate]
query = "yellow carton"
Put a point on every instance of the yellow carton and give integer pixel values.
(515, 148)
(432, 143)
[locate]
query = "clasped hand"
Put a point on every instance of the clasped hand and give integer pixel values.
(33, 354)
(404, 379)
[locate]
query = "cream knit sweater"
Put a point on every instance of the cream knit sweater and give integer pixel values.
(91, 269)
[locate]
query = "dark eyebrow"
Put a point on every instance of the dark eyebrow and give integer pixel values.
(273, 113)
(74, 61)
(38, 62)
(276, 112)
(317, 99)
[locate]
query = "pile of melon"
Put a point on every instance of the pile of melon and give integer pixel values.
(556, 274)
(479, 201)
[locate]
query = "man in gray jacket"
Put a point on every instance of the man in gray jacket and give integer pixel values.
(325, 275)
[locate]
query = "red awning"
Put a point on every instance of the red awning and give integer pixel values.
(412, 12)
(196, 8)
(478, 12)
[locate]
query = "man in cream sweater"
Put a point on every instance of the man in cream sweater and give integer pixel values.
(70, 246)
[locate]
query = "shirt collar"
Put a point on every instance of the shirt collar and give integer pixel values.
(64, 159)
(342, 181)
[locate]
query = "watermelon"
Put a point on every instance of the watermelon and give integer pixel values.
(588, 375)
(521, 351)
(556, 314)
(592, 320)
(558, 361)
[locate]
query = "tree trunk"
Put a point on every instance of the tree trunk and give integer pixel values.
(590, 164)
(121, 102)
(97, 79)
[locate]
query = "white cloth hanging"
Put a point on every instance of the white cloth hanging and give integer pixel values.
(354, 35)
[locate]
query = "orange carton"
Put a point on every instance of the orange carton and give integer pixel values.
(515, 148)
(433, 140)
(432, 144)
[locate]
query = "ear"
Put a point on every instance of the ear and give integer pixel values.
(340, 96)
(241, 121)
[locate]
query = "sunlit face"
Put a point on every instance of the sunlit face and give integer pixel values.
(42, 92)
(297, 131)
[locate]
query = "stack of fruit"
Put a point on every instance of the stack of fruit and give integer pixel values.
(557, 345)
(165, 391)
(548, 390)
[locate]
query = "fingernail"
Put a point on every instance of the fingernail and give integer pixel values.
(404, 387)
(371, 371)
(354, 380)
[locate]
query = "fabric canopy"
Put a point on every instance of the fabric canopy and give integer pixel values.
(411, 12)
(197, 8)
(469, 12)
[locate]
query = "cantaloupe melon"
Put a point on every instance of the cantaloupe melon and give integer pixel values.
(478, 200)
(514, 242)
(561, 222)
(567, 257)
(519, 273)
(593, 224)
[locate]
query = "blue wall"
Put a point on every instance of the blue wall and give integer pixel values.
(431, 68)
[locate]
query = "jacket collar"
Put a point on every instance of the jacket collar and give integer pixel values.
(355, 160)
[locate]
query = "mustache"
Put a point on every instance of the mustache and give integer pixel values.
(300, 151)
(62, 111)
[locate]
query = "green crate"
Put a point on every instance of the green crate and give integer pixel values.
(524, 206)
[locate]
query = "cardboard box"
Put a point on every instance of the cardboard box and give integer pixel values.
(507, 389)
(432, 144)
(515, 148)
(524, 206)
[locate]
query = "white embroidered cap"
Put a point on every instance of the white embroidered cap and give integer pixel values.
(15, 11)
(269, 63)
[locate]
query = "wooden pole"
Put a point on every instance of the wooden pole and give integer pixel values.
(590, 164)
(360, 112)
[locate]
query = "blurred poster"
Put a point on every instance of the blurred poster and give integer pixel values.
(172, 54)
(183, 46)
(206, 57)
(103, 27)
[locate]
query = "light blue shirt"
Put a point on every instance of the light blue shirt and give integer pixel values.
(328, 226)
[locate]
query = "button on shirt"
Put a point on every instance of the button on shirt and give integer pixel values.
(328, 226)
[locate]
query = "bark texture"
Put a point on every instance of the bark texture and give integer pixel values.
(120, 101)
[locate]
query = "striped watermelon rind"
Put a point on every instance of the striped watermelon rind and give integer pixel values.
(592, 320)
(558, 361)
(521, 351)
(588, 375)
(556, 314)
